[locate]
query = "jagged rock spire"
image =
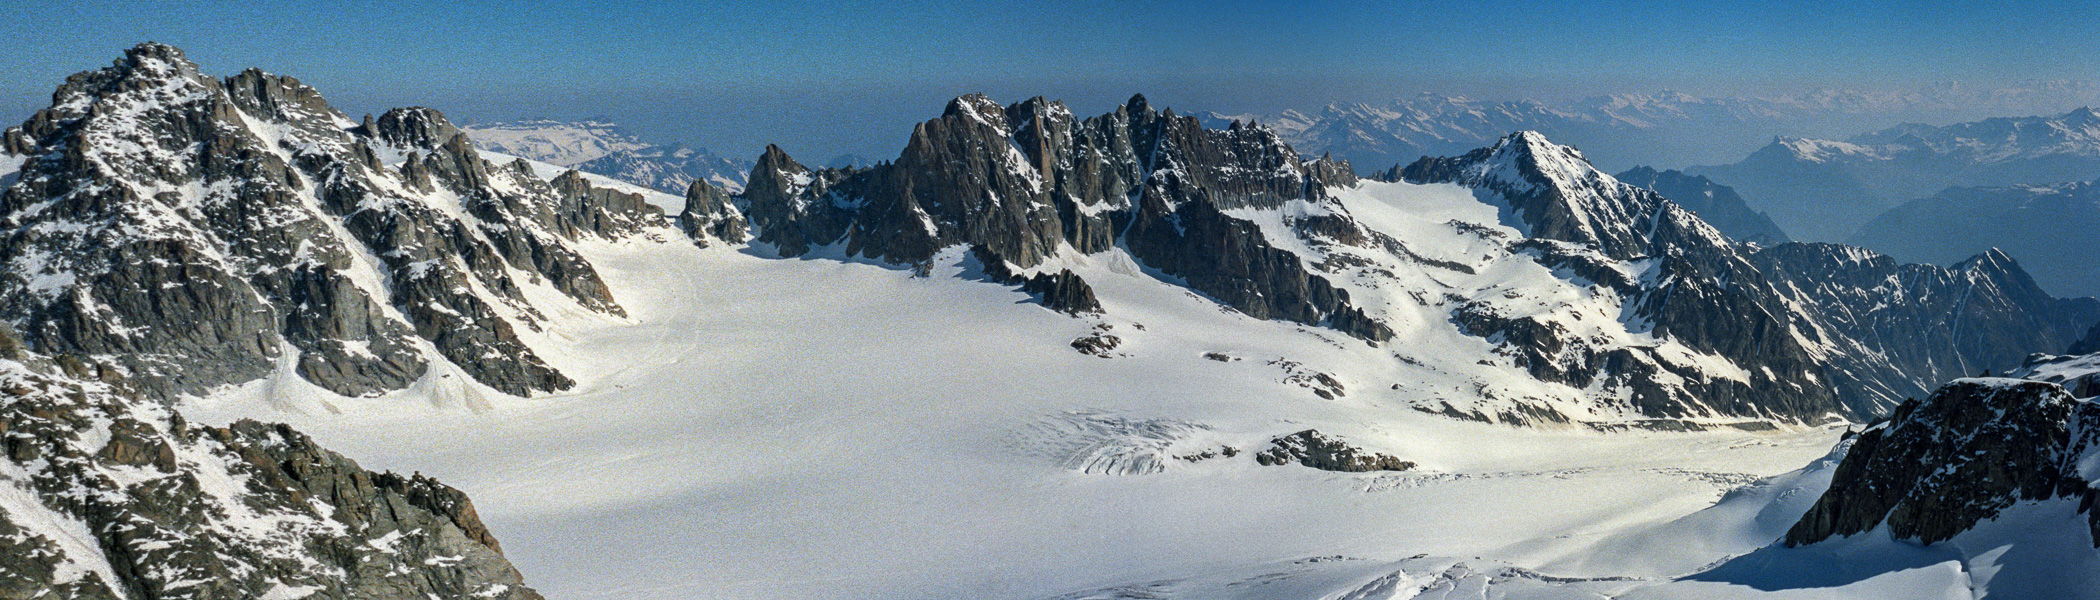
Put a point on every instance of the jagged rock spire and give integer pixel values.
(1024, 181)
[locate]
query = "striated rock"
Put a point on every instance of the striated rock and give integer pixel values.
(1891, 329)
(114, 496)
(1320, 451)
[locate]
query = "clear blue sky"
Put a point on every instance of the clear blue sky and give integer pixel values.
(824, 78)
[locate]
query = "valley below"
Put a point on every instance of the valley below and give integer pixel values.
(822, 428)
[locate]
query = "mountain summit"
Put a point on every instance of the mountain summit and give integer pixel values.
(282, 234)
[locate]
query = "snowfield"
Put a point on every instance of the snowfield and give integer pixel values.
(831, 428)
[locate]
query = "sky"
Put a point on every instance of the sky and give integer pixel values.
(827, 78)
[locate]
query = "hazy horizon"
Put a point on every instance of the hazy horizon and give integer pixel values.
(732, 78)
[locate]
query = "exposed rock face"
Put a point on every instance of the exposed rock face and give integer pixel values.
(266, 222)
(1026, 180)
(1886, 329)
(1817, 328)
(1559, 196)
(1939, 466)
(1062, 291)
(709, 215)
(1716, 204)
(1320, 451)
(2088, 344)
(113, 496)
(599, 211)
(1101, 343)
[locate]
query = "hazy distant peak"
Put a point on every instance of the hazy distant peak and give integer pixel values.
(565, 143)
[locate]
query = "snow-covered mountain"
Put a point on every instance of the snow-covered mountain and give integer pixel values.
(366, 257)
(605, 149)
(1035, 353)
(1376, 136)
(1825, 190)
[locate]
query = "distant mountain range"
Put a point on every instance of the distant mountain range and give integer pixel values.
(1824, 190)
(1667, 129)
(606, 149)
(2050, 227)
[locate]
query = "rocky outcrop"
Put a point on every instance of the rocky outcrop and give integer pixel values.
(1716, 204)
(1100, 343)
(598, 211)
(709, 215)
(1938, 467)
(2088, 344)
(1320, 451)
(1027, 180)
(266, 222)
(113, 496)
(1063, 291)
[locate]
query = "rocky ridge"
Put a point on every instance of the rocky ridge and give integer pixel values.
(1940, 466)
(1327, 453)
(108, 495)
(356, 254)
(1028, 181)
(1235, 215)
(1716, 204)
(2045, 224)
(1825, 190)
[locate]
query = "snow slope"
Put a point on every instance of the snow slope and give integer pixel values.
(824, 427)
